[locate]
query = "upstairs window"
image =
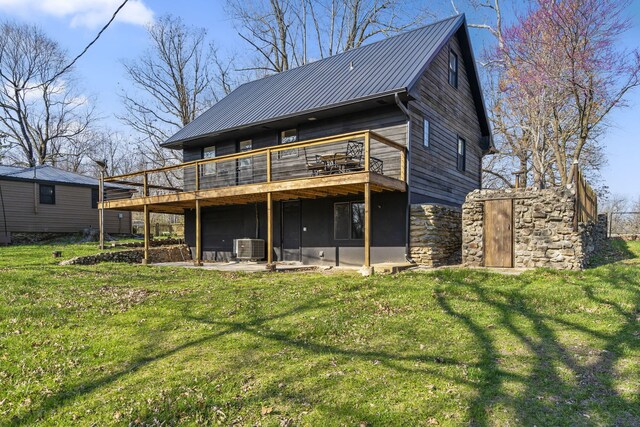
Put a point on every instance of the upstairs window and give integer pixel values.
(287, 137)
(243, 146)
(453, 69)
(208, 153)
(47, 194)
(425, 132)
(462, 154)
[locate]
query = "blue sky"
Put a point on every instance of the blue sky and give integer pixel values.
(73, 23)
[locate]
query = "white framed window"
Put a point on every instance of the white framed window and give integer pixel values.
(425, 132)
(209, 153)
(287, 137)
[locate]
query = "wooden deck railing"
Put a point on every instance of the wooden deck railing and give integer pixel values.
(586, 200)
(285, 162)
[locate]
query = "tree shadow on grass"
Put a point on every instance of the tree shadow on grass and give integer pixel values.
(73, 392)
(558, 386)
(569, 383)
(612, 251)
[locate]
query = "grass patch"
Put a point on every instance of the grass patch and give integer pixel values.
(118, 344)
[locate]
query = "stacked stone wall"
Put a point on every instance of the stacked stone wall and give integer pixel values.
(436, 235)
(544, 232)
(174, 253)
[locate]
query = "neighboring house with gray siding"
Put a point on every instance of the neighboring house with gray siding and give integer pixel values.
(47, 199)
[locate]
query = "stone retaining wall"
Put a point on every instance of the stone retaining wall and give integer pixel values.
(436, 234)
(152, 242)
(544, 234)
(174, 253)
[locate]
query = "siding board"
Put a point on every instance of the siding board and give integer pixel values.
(451, 112)
(71, 213)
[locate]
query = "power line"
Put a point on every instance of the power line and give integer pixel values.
(72, 63)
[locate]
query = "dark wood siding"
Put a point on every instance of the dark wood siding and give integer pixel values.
(451, 113)
(221, 225)
(388, 121)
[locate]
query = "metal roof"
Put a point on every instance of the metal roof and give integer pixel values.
(47, 173)
(388, 66)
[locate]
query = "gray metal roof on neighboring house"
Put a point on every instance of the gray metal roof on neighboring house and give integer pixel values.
(9, 169)
(47, 173)
(370, 71)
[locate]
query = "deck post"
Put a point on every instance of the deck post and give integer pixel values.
(269, 228)
(147, 231)
(367, 225)
(198, 260)
(403, 165)
(269, 165)
(367, 150)
(101, 199)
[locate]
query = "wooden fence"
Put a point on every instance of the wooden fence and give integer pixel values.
(586, 200)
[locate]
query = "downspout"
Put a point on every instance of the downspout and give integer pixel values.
(407, 248)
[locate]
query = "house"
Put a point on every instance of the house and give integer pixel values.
(325, 161)
(44, 199)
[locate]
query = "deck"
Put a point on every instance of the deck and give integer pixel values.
(353, 163)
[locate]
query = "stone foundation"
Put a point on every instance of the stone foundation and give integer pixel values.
(176, 253)
(436, 235)
(544, 234)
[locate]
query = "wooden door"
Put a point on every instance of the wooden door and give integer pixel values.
(291, 234)
(498, 233)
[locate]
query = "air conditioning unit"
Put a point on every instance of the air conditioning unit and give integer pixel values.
(249, 249)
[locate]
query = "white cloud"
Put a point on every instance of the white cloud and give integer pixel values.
(82, 13)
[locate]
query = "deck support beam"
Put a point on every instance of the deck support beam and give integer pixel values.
(147, 232)
(269, 228)
(367, 225)
(198, 260)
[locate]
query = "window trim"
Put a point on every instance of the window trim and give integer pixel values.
(350, 232)
(453, 73)
(461, 158)
(53, 194)
(426, 133)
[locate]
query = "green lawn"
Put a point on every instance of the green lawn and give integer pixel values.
(134, 345)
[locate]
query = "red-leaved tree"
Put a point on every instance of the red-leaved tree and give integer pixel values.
(562, 72)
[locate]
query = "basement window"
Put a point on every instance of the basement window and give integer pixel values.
(453, 69)
(47, 194)
(348, 221)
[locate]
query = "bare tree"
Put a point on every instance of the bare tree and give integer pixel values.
(173, 82)
(41, 108)
(286, 33)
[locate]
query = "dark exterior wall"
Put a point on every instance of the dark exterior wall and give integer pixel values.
(71, 213)
(220, 225)
(451, 112)
(388, 121)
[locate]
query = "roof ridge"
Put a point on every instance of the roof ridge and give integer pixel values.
(403, 33)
